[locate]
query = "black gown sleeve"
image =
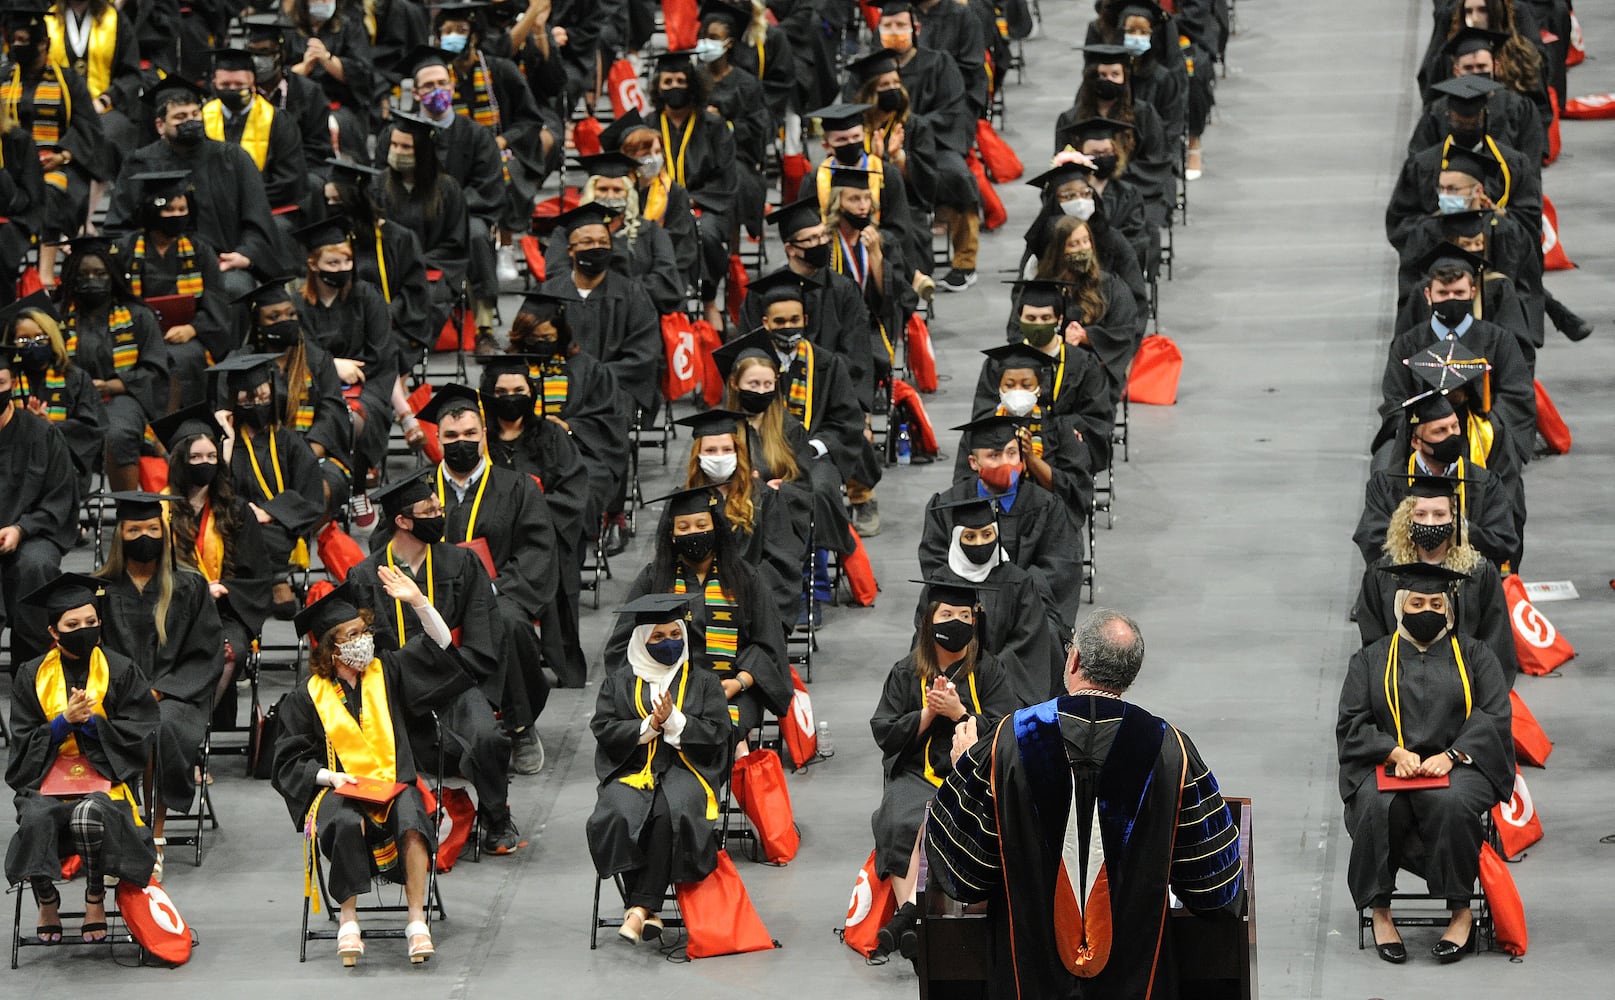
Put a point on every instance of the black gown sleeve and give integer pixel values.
(193, 660)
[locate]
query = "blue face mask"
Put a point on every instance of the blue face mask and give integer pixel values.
(1136, 45)
(1452, 204)
(454, 44)
(666, 652)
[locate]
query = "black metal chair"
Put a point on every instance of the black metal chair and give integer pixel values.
(115, 936)
(1430, 910)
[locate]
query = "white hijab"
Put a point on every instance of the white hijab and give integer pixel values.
(647, 667)
(961, 564)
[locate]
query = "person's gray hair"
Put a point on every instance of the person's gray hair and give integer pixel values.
(1110, 649)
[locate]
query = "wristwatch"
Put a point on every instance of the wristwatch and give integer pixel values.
(1454, 756)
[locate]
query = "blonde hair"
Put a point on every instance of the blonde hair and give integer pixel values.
(1461, 557)
(53, 332)
(738, 508)
(116, 564)
(776, 450)
(630, 212)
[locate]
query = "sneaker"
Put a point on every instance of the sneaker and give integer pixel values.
(616, 534)
(804, 615)
(487, 344)
(958, 280)
(526, 752)
(506, 267)
(866, 518)
(502, 838)
(362, 510)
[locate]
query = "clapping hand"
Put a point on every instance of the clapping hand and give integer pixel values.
(943, 699)
(79, 706)
(663, 710)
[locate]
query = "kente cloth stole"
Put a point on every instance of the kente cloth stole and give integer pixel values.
(189, 279)
(121, 325)
(54, 395)
(723, 637)
(800, 399)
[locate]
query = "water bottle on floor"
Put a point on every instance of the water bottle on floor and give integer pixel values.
(827, 747)
(905, 445)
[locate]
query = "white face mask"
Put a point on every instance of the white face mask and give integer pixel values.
(322, 10)
(650, 166)
(357, 653)
(719, 467)
(710, 50)
(1018, 402)
(1078, 208)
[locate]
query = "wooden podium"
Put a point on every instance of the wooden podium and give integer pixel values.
(1215, 959)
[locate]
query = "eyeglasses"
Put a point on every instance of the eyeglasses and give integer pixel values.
(356, 635)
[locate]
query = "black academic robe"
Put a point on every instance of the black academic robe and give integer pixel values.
(42, 494)
(1511, 118)
(444, 234)
(1018, 629)
(598, 426)
(184, 671)
(81, 133)
(1116, 256)
(997, 826)
(688, 776)
(836, 420)
(285, 169)
(1127, 214)
(399, 274)
(356, 326)
(740, 100)
(915, 762)
(770, 62)
(616, 325)
(648, 259)
(1112, 338)
(1500, 303)
(1510, 250)
(893, 206)
(1037, 533)
(522, 122)
(470, 157)
(1080, 393)
(1152, 165)
(345, 37)
(242, 572)
(520, 532)
(838, 322)
(1483, 503)
(332, 428)
(1069, 462)
(701, 158)
(295, 494)
(952, 29)
(1513, 388)
(1414, 195)
(229, 208)
(678, 219)
(22, 199)
(122, 744)
(147, 381)
(811, 49)
(159, 276)
(302, 100)
(83, 422)
(936, 98)
(1482, 611)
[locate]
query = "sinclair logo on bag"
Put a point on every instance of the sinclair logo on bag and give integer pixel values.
(863, 899)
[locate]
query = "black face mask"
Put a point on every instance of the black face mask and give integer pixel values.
(1106, 90)
(786, 338)
(1448, 450)
(266, 68)
(143, 548)
(676, 97)
(592, 262)
(1104, 165)
(1451, 312)
(512, 407)
(695, 546)
(92, 291)
(202, 473)
(429, 529)
(462, 456)
(849, 155)
(279, 335)
(36, 357)
(817, 257)
(235, 100)
(255, 415)
(857, 222)
(756, 402)
(1430, 536)
(190, 134)
(336, 279)
(1424, 626)
(979, 554)
(1468, 138)
(953, 635)
(5, 398)
(80, 641)
(170, 225)
(891, 100)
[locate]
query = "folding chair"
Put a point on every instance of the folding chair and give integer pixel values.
(650, 429)
(1090, 571)
(669, 901)
(115, 936)
(597, 568)
(1433, 911)
(1104, 499)
(200, 816)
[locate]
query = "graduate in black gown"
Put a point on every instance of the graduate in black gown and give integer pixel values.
(1035, 529)
(1425, 701)
(453, 580)
(237, 114)
(739, 99)
(1106, 92)
(1100, 314)
(641, 246)
(735, 630)
(342, 725)
(39, 512)
(417, 194)
(48, 384)
(1103, 142)
(293, 95)
(1454, 175)
(1069, 189)
(946, 680)
(850, 144)
(162, 617)
(663, 747)
(1076, 822)
(78, 699)
(22, 197)
(525, 441)
(1510, 116)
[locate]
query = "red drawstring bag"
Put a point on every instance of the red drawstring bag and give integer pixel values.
(683, 22)
(1555, 143)
(586, 136)
(419, 397)
(28, 282)
(739, 283)
(871, 16)
(681, 372)
(533, 254)
(1508, 913)
(622, 86)
(707, 341)
(338, 551)
(450, 339)
(992, 207)
(921, 359)
(718, 916)
(1554, 257)
(860, 574)
(1539, 646)
(1000, 160)
(1531, 743)
(1156, 368)
(153, 474)
(759, 784)
(1518, 825)
(155, 923)
(793, 168)
(799, 729)
(551, 208)
(1577, 53)
(921, 435)
(1550, 424)
(459, 820)
(870, 908)
(1590, 107)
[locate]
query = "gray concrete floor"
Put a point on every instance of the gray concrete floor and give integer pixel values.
(1231, 547)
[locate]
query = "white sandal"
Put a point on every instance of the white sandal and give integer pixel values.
(419, 952)
(157, 869)
(349, 943)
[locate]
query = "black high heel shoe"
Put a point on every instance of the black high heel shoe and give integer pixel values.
(1394, 952)
(1447, 952)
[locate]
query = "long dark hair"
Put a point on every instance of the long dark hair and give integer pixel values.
(118, 280)
(700, 84)
(428, 191)
(186, 522)
(736, 573)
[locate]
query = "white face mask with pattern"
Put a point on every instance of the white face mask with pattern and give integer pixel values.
(357, 653)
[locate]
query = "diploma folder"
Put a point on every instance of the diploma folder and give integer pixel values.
(72, 776)
(1389, 782)
(480, 547)
(371, 790)
(173, 310)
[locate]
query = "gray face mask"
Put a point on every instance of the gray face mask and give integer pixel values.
(650, 166)
(612, 204)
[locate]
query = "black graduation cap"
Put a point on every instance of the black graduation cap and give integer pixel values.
(891, 8)
(39, 301)
(496, 365)
(139, 505)
(1447, 365)
(1144, 8)
(693, 500)
(1019, 355)
(1061, 173)
(25, 14)
(245, 371)
(849, 177)
(325, 614)
(1467, 224)
(613, 164)
(66, 592)
(1467, 161)
(612, 135)
(353, 170)
(1098, 128)
(959, 593)
(1426, 407)
(1041, 292)
(234, 60)
(175, 82)
(421, 56)
(545, 306)
(784, 285)
(658, 609)
(1106, 55)
(1444, 255)
(757, 344)
(1423, 577)
(159, 187)
(675, 61)
(839, 116)
(261, 27)
(1470, 40)
(415, 125)
(324, 233)
(719, 10)
(99, 244)
(402, 494)
(971, 512)
(269, 293)
(449, 400)
(460, 10)
(876, 63)
(1467, 94)
(710, 423)
(189, 422)
(991, 431)
(590, 214)
(800, 214)
(1423, 485)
